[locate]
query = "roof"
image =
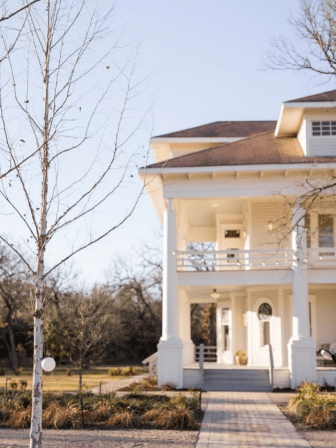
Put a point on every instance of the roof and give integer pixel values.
(224, 129)
(320, 97)
(262, 149)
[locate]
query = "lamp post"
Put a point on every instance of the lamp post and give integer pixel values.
(48, 364)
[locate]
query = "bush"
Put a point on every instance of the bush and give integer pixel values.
(311, 408)
(69, 372)
(116, 371)
(2, 371)
(18, 371)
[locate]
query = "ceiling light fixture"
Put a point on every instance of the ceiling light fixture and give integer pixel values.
(215, 294)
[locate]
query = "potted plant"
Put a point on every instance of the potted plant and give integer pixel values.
(241, 358)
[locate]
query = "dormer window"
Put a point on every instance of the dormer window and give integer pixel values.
(321, 128)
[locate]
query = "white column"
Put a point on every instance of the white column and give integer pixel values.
(301, 347)
(170, 362)
(185, 328)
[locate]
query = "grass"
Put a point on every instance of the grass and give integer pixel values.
(312, 408)
(61, 381)
(105, 411)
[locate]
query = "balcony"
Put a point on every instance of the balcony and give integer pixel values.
(235, 259)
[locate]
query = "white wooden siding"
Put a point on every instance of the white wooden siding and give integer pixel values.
(262, 213)
(322, 146)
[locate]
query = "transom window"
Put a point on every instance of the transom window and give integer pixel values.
(324, 128)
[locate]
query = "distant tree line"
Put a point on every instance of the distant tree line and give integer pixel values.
(117, 322)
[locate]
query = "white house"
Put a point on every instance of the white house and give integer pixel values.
(231, 183)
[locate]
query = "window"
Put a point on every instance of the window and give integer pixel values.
(321, 128)
(265, 314)
(225, 323)
(326, 231)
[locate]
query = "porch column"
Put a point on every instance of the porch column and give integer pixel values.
(301, 347)
(170, 349)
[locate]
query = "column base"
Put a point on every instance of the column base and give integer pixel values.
(302, 361)
(188, 352)
(170, 363)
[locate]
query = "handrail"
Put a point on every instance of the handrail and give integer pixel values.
(201, 364)
(271, 368)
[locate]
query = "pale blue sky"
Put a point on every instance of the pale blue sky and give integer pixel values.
(204, 60)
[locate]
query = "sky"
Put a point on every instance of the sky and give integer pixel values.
(201, 62)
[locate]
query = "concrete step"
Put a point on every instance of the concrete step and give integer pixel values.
(236, 380)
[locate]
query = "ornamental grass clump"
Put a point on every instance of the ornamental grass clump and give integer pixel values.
(312, 408)
(69, 411)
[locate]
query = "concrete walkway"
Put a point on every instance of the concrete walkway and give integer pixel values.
(245, 420)
(113, 386)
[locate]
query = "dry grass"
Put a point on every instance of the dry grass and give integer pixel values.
(312, 408)
(61, 381)
(148, 384)
(109, 411)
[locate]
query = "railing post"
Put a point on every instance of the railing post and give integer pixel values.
(201, 364)
(271, 369)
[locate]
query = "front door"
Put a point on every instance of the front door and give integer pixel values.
(231, 238)
(224, 334)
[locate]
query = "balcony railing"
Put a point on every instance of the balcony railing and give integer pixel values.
(235, 259)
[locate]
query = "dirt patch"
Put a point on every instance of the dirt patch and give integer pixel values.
(125, 438)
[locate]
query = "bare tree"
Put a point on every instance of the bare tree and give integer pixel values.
(64, 106)
(313, 48)
(14, 293)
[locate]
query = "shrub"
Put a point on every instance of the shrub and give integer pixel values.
(128, 371)
(23, 384)
(69, 372)
(18, 371)
(116, 371)
(313, 409)
(13, 385)
(2, 371)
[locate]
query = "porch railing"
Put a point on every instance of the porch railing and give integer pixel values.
(209, 353)
(234, 259)
(321, 257)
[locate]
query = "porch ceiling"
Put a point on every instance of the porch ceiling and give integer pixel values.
(201, 294)
(202, 212)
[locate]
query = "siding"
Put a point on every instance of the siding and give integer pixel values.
(262, 213)
(322, 146)
(325, 316)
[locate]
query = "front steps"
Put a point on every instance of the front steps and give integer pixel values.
(243, 379)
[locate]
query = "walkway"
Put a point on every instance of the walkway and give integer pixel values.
(113, 386)
(246, 420)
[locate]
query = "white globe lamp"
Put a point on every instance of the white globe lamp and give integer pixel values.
(48, 364)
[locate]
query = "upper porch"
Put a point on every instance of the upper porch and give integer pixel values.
(250, 234)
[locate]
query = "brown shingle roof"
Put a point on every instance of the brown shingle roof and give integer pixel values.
(258, 150)
(320, 97)
(224, 129)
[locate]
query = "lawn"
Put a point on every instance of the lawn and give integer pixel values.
(61, 381)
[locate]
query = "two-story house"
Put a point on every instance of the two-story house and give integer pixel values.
(271, 270)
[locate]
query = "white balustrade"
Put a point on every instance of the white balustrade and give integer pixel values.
(234, 259)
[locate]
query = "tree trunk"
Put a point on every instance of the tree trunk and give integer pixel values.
(36, 420)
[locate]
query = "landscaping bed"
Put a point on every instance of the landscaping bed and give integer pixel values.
(75, 411)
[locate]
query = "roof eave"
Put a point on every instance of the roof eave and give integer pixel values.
(288, 109)
(233, 168)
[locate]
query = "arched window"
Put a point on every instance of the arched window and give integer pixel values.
(265, 314)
